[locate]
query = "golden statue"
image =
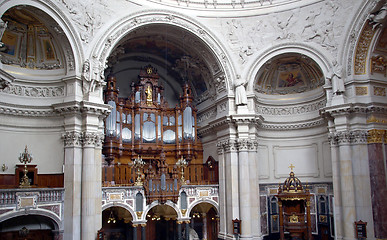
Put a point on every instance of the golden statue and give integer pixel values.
(148, 92)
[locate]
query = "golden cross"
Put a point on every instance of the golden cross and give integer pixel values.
(291, 167)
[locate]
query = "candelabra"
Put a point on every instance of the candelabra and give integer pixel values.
(138, 164)
(182, 163)
(25, 158)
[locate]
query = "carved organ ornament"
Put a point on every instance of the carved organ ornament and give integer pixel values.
(144, 127)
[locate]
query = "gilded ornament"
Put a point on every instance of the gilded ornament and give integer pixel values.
(378, 65)
(362, 49)
(376, 136)
(361, 91)
(380, 91)
(139, 213)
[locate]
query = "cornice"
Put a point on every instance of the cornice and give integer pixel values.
(84, 107)
(353, 108)
(294, 126)
(26, 111)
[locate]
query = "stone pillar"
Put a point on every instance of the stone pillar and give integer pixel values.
(229, 199)
(186, 223)
(143, 232)
(222, 190)
(205, 220)
(347, 185)
(72, 184)
(179, 232)
(135, 231)
(337, 187)
(245, 203)
(377, 150)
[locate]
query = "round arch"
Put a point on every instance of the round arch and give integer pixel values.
(168, 203)
(73, 55)
(122, 205)
(56, 220)
(123, 27)
(320, 56)
(197, 202)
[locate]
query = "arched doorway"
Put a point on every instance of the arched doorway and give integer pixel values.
(28, 227)
(161, 223)
(117, 223)
(204, 221)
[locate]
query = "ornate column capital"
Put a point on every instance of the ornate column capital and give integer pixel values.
(92, 139)
(376, 136)
(81, 139)
(72, 139)
(228, 145)
(348, 137)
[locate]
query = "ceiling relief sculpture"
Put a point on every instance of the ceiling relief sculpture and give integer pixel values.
(289, 74)
(29, 40)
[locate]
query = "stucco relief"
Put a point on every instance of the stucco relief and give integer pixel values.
(284, 111)
(87, 18)
(308, 24)
(26, 91)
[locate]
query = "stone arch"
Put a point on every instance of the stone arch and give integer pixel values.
(168, 203)
(56, 220)
(197, 202)
(72, 50)
(104, 47)
(321, 57)
(122, 205)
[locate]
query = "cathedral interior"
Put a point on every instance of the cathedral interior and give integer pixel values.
(181, 119)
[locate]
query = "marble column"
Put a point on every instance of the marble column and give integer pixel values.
(91, 186)
(186, 223)
(337, 187)
(244, 188)
(72, 184)
(143, 232)
(204, 230)
(377, 151)
(222, 192)
(231, 187)
(135, 231)
(179, 231)
(347, 186)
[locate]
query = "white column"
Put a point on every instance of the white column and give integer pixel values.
(244, 188)
(72, 184)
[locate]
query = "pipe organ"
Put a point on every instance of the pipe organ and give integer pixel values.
(144, 128)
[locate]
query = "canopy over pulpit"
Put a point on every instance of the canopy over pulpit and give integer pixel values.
(294, 209)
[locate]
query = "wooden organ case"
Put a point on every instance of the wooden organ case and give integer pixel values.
(294, 209)
(148, 143)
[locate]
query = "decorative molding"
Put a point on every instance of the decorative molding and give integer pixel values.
(362, 49)
(284, 111)
(7, 110)
(354, 35)
(361, 91)
(380, 91)
(378, 65)
(204, 116)
(293, 126)
(26, 91)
